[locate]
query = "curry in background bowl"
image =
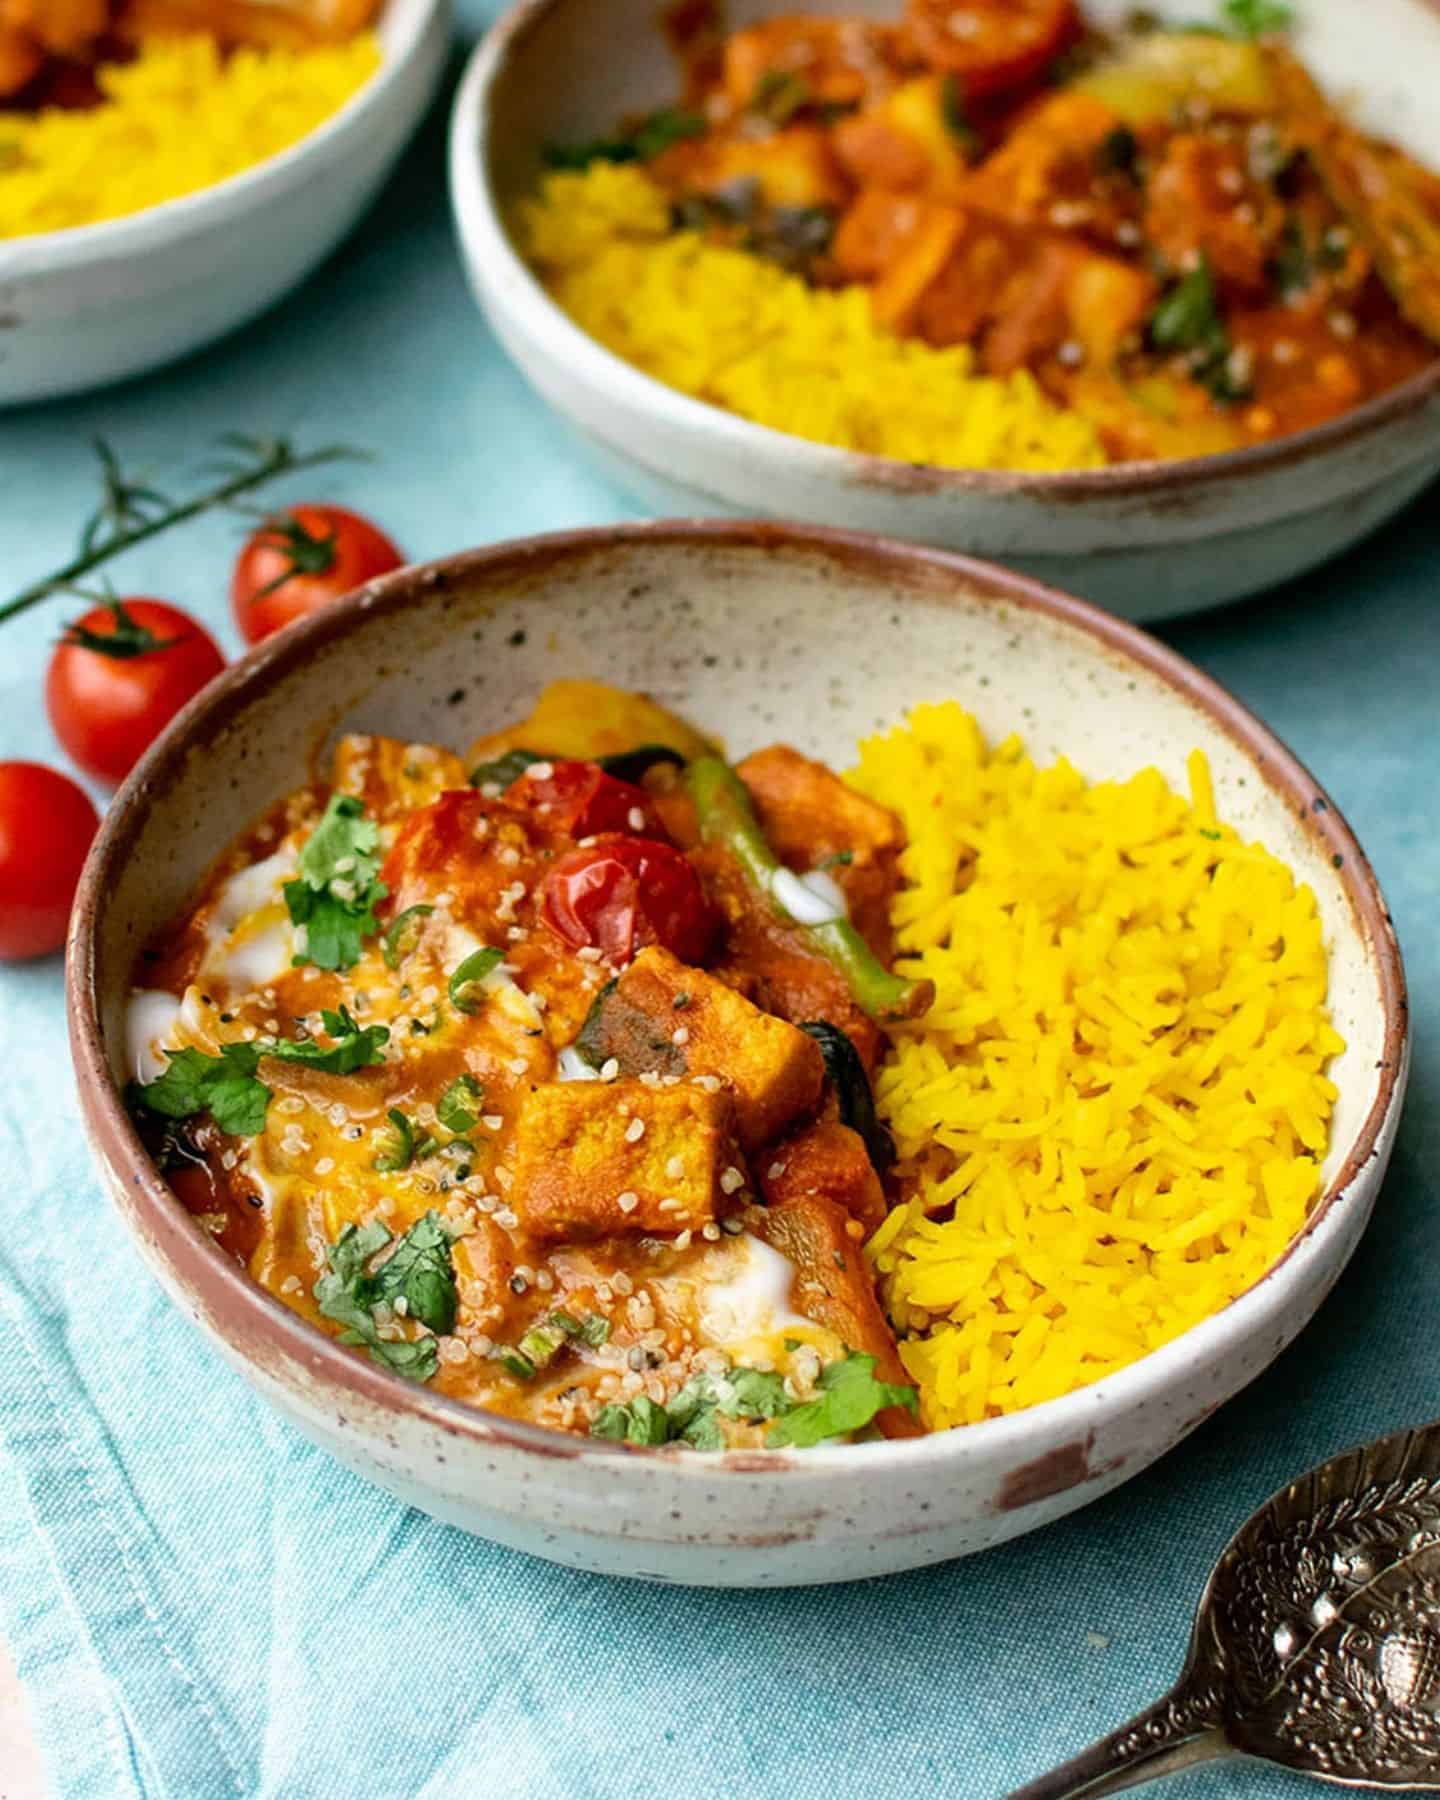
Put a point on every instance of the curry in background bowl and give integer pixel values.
(996, 236)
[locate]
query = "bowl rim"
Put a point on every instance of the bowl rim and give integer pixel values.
(167, 222)
(266, 1333)
(480, 222)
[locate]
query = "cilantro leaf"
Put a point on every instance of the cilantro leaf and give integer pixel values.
(1255, 18)
(354, 1048)
(641, 1422)
(349, 1295)
(335, 896)
(225, 1086)
(454, 1107)
(647, 140)
(1188, 320)
(849, 1399)
(423, 1271)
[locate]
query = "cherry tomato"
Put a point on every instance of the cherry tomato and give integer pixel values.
(118, 677)
(989, 45)
(301, 560)
(46, 824)
(622, 893)
(580, 799)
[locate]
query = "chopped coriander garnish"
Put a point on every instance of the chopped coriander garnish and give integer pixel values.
(421, 1270)
(403, 930)
(355, 1047)
(641, 1422)
(225, 1086)
(335, 896)
(1187, 320)
(470, 973)
(1255, 18)
(849, 1399)
(458, 1108)
(648, 139)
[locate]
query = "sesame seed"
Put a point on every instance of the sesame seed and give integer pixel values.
(683, 1241)
(669, 1204)
(516, 933)
(492, 1121)
(621, 1283)
(634, 1131)
(710, 1232)
(491, 790)
(504, 1177)
(675, 1169)
(609, 1069)
(544, 1280)
(680, 1035)
(649, 1078)
(292, 1284)
(710, 1083)
(587, 953)
(775, 1171)
(540, 771)
(292, 1103)
(509, 855)
(325, 1165)
(731, 1227)
(517, 1065)
(731, 1181)
(628, 1201)
(635, 818)
(454, 1350)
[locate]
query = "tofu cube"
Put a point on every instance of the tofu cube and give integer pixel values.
(595, 1158)
(774, 1070)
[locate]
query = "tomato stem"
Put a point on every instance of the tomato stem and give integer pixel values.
(130, 512)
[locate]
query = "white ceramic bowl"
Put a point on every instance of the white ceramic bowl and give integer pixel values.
(752, 631)
(84, 307)
(1146, 540)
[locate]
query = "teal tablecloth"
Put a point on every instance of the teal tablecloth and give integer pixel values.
(203, 1605)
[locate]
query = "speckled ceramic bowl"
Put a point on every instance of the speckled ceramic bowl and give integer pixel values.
(84, 307)
(1147, 540)
(755, 632)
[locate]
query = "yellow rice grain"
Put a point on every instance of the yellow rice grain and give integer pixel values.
(1111, 1123)
(728, 327)
(179, 118)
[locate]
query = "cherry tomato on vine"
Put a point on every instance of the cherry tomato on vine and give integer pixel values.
(46, 824)
(302, 559)
(621, 893)
(580, 799)
(118, 677)
(989, 45)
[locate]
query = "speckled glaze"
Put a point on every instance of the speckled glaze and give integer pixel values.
(1146, 540)
(81, 308)
(756, 632)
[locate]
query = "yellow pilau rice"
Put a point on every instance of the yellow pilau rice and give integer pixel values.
(728, 327)
(1112, 1121)
(179, 118)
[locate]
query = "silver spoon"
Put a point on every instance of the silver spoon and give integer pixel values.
(1317, 1642)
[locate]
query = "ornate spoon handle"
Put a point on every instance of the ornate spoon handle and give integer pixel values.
(1175, 1733)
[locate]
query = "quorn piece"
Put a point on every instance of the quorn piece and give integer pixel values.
(596, 1158)
(664, 1016)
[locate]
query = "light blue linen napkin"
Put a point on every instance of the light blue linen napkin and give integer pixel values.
(200, 1604)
